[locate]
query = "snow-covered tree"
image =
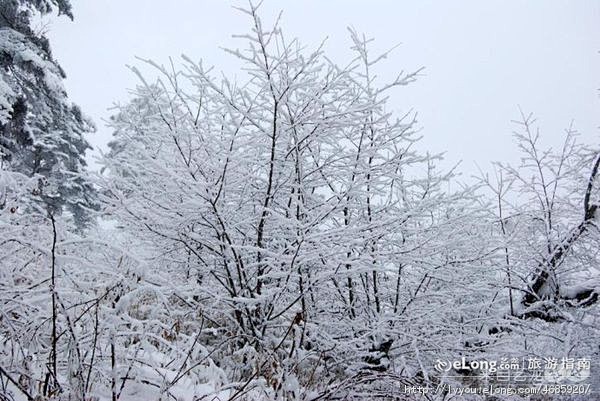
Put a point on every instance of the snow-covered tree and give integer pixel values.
(293, 211)
(41, 132)
(545, 227)
(275, 238)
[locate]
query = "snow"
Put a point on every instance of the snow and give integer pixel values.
(279, 240)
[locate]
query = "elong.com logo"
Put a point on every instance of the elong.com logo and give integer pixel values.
(444, 365)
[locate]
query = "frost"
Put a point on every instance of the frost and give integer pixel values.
(281, 238)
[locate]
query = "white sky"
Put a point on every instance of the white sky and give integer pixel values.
(483, 59)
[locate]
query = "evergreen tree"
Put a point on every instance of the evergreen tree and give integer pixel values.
(41, 132)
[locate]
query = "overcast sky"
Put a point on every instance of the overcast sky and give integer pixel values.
(482, 59)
